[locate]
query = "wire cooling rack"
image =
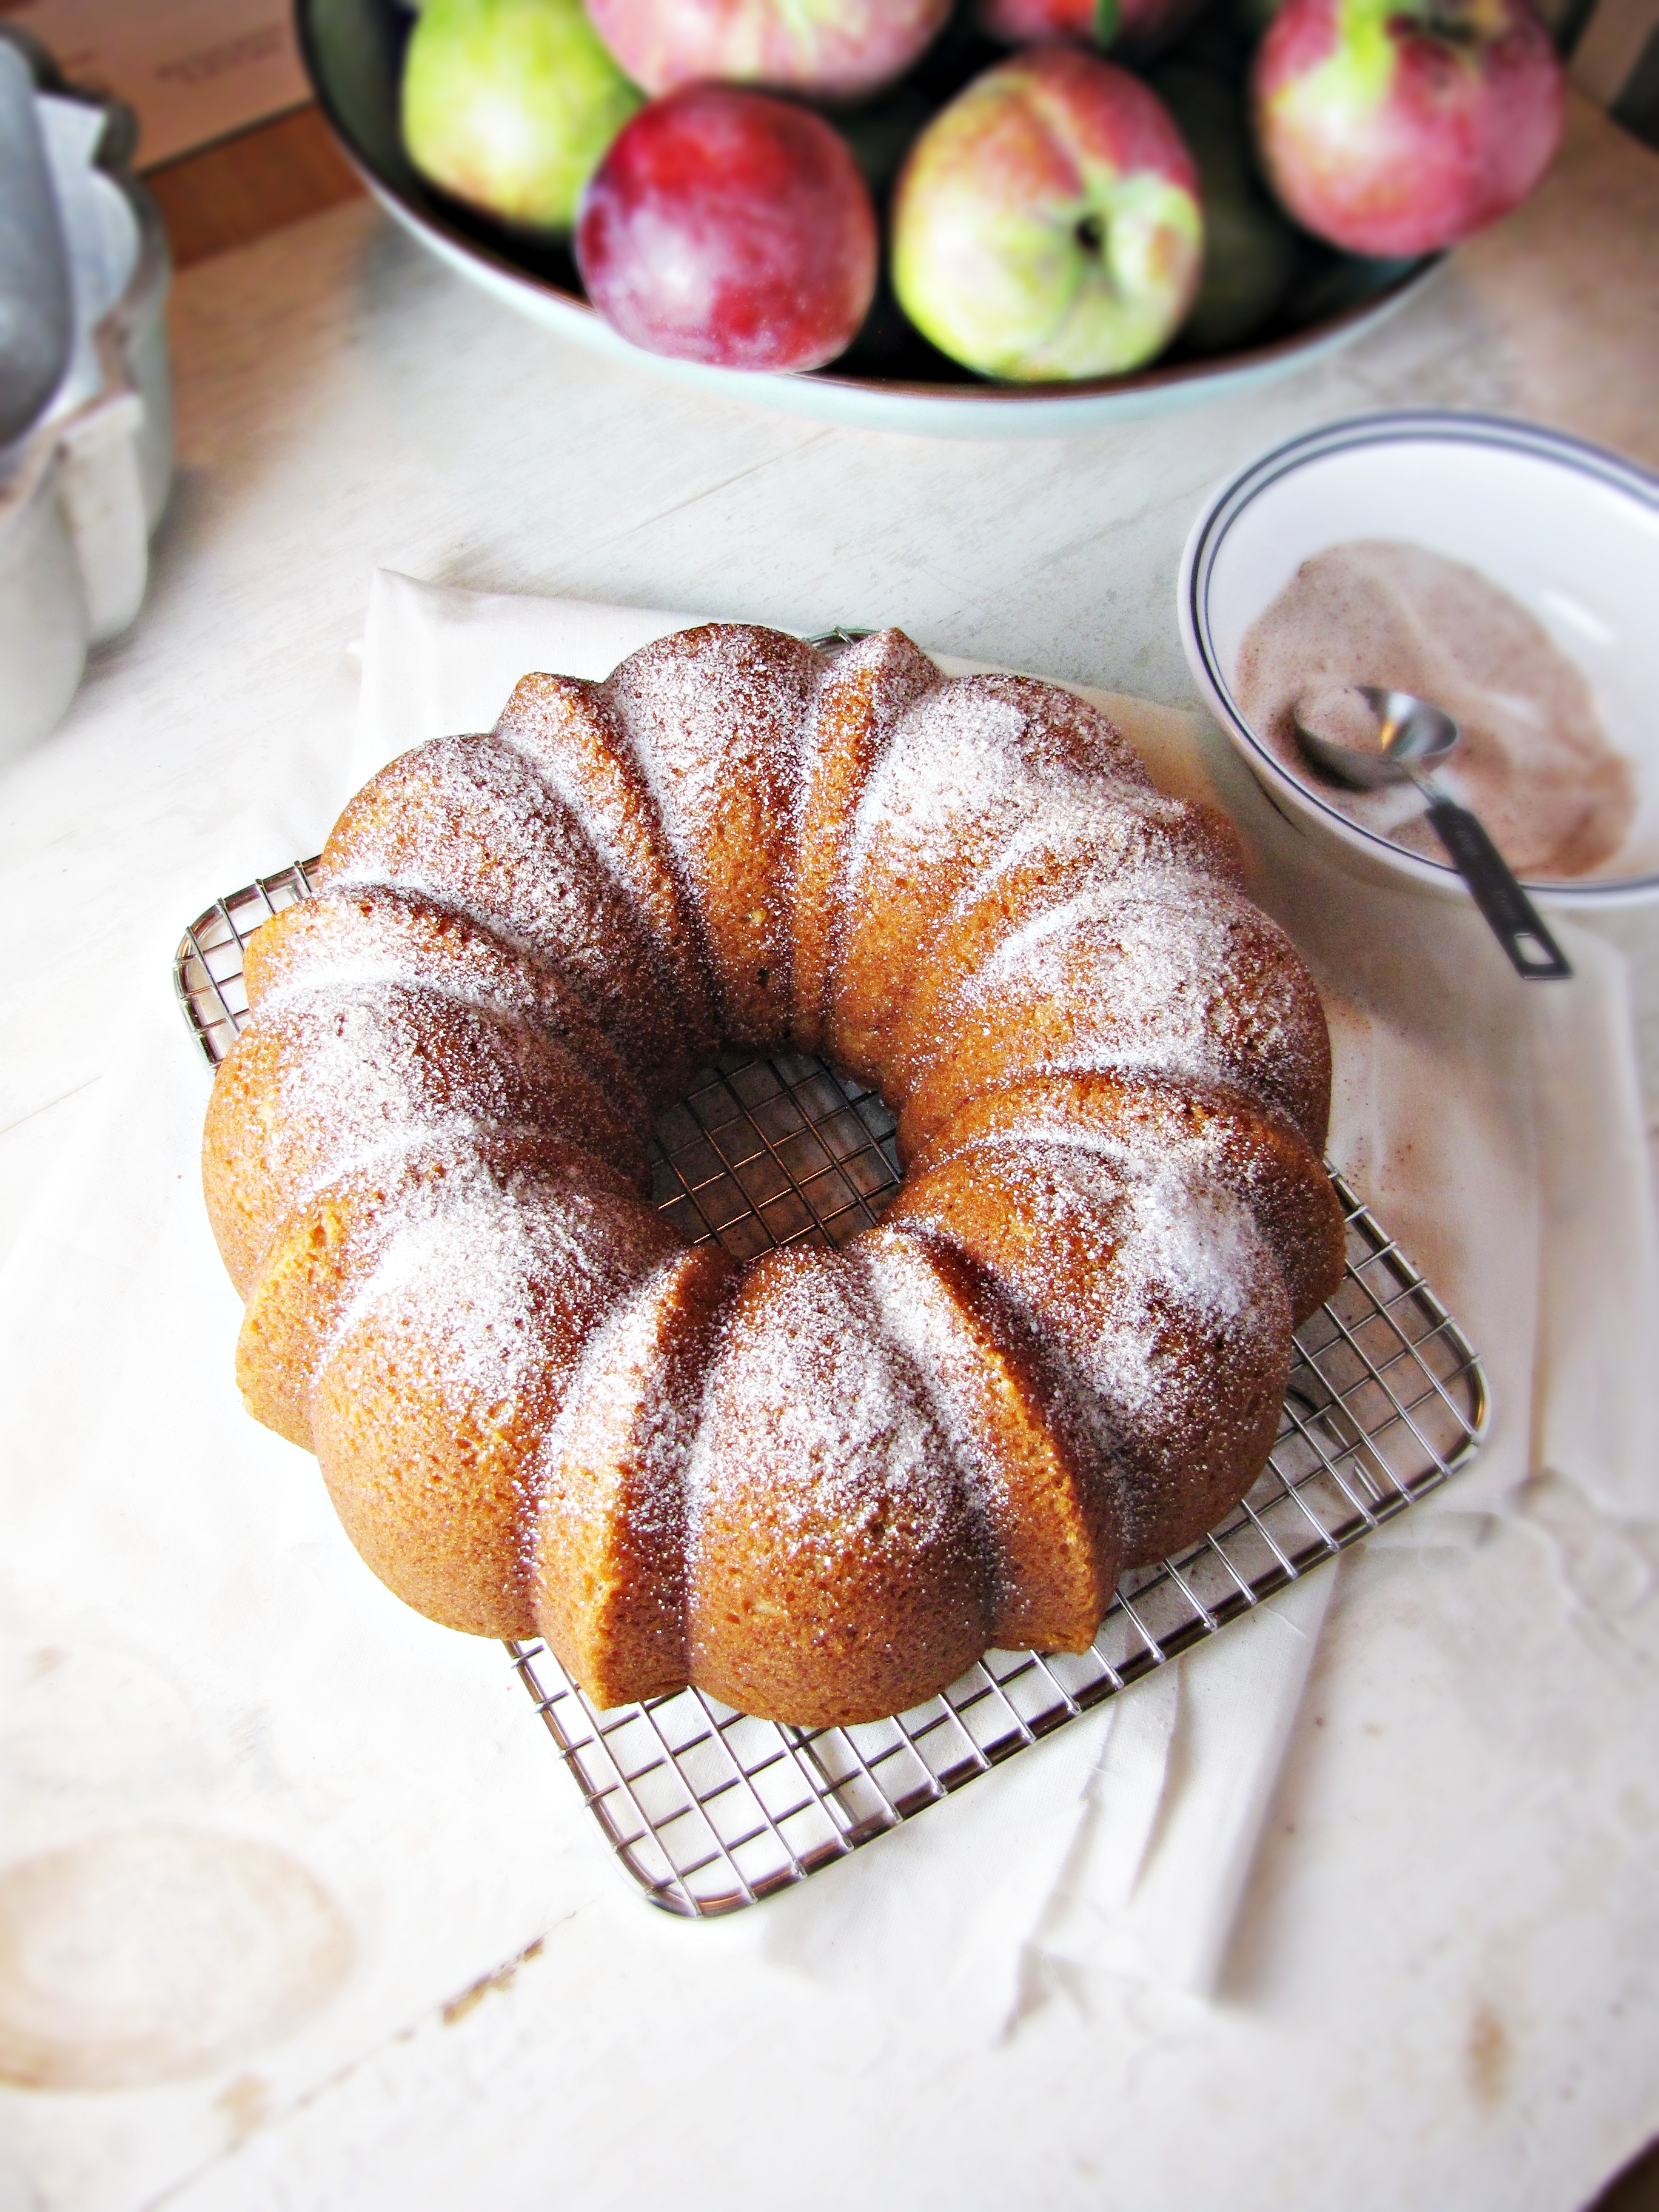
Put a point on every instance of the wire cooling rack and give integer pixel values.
(710, 1810)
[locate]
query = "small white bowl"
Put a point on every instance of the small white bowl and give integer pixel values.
(1570, 531)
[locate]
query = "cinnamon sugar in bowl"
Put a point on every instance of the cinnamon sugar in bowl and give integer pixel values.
(1509, 572)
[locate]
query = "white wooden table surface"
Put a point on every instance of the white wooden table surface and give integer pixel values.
(1406, 2020)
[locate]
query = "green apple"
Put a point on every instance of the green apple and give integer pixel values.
(1046, 224)
(510, 105)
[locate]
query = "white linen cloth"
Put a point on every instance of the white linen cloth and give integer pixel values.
(187, 1642)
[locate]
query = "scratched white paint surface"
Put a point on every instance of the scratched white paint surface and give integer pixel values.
(1444, 1988)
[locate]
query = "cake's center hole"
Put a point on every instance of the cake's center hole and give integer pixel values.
(765, 1151)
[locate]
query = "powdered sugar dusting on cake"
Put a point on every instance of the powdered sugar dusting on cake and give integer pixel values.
(1162, 972)
(623, 1388)
(1215, 1150)
(708, 707)
(1197, 1287)
(850, 1442)
(919, 1318)
(361, 1068)
(1114, 830)
(354, 936)
(572, 732)
(504, 1276)
(598, 798)
(886, 673)
(974, 758)
(520, 1290)
(1183, 1279)
(374, 939)
(468, 821)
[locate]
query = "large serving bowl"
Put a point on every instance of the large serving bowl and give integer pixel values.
(891, 379)
(1569, 530)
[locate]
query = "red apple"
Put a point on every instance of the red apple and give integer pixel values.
(724, 226)
(832, 48)
(1046, 222)
(1132, 29)
(1399, 126)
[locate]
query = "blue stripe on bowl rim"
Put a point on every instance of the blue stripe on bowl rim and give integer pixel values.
(1395, 426)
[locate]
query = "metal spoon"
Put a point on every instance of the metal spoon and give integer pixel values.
(1411, 736)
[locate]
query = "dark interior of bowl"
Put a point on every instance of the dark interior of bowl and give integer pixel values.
(353, 51)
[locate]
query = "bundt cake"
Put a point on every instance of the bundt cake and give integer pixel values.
(820, 1485)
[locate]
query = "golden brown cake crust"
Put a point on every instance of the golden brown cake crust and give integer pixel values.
(570, 731)
(1115, 845)
(976, 760)
(1149, 977)
(326, 1253)
(322, 1078)
(714, 717)
(1157, 1313)
(1264, 1162)
(381, 934)
(608, 1571)
(470, 821)
(865, 688)
(432, 1401)
(819, 1485)
(836, 1571)
(1052, 1526)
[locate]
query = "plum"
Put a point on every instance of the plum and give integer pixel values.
(730, 226)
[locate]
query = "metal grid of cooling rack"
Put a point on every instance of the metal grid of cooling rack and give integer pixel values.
(710, 1810)
(207, 968)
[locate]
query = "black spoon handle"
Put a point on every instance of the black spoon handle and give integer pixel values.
(1514, 920)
